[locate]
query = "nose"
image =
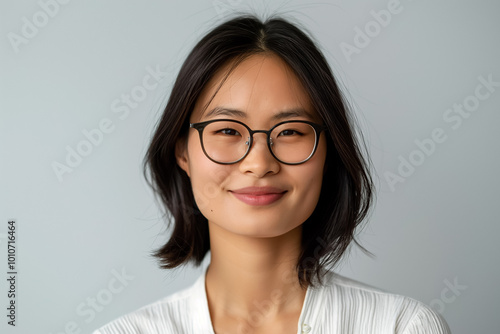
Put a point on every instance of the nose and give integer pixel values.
(259, 160)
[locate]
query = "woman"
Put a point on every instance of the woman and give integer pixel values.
(256, 159)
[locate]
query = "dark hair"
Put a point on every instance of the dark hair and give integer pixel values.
(346, 192)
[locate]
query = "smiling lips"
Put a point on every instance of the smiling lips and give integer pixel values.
(258, 195)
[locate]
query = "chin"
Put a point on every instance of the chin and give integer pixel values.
(263, 229)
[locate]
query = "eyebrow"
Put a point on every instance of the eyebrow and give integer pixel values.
(281, 115)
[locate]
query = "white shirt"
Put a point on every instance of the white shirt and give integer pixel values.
(341, 306)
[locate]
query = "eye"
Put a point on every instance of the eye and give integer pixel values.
(229, 132)
(289, 132)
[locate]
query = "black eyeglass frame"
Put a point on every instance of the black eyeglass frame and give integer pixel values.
(317, 130)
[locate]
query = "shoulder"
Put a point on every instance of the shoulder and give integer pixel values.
(373, 310)
(168, 315)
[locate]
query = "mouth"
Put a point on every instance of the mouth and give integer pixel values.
(258, 196)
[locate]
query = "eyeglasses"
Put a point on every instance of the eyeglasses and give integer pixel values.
(226, 141)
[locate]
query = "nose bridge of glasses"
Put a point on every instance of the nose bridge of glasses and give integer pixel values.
(264, 132)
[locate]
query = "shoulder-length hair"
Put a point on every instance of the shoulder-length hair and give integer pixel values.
(346, 192)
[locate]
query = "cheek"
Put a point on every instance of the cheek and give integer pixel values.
(207, 177)
(311, 181)
(311, 176)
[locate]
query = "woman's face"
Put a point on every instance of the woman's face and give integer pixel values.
(262, 89)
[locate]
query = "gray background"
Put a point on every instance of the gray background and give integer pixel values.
(437, 228)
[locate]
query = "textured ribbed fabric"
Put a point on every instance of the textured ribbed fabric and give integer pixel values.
(341, 306)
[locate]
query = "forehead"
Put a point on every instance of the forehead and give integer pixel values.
(260, 86)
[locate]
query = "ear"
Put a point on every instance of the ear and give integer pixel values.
(181, 155)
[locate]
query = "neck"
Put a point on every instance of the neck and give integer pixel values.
(247, 274)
